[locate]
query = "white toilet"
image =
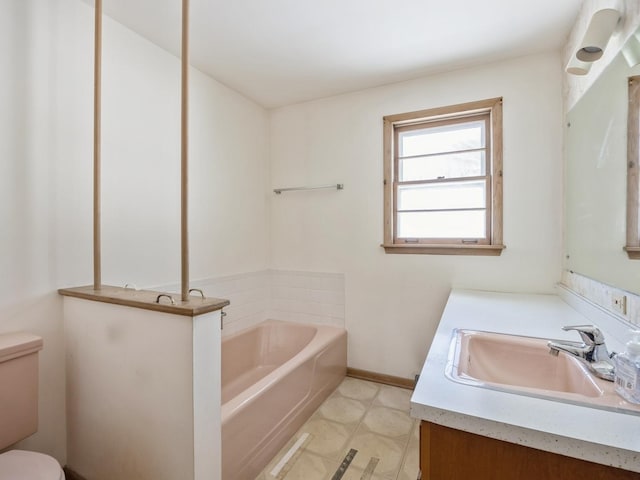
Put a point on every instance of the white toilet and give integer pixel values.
(19, 412)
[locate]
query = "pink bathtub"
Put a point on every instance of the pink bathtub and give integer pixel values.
(274, 376)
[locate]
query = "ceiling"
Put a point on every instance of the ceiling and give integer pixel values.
(279, 52)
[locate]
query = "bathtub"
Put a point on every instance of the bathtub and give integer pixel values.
(274, 376)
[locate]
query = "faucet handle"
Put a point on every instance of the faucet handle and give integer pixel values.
(591, 335)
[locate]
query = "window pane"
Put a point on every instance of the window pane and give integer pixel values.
(465, 224)
(440, 196)
(444, 138)
(453, 165)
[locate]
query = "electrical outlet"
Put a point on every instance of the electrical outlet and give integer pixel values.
(619, 304)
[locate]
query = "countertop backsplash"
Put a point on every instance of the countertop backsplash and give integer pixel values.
(603, 296)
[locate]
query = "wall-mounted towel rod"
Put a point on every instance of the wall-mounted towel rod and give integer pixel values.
(337, 186)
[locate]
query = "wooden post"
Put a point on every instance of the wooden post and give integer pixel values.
(184, 214)
(97, 91)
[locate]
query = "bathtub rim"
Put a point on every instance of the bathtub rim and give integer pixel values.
(324, 336)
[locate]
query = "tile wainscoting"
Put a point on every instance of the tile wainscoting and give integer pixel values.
(304, 297)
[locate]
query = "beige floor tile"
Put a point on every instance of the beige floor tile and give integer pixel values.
(389, 422)
(327, 438)
(354, 473)
(312, 467)
(394, 397)
(411, 462)
(342, 410)
(358, 389)
(402, 476)
(369, 445)
(283, 451)
(371, 418)
(415, 436)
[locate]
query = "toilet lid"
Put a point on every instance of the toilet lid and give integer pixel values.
(19, 464)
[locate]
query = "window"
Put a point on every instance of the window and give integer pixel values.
(633, 179)
(443, 180)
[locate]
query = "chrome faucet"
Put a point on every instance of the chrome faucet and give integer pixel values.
(592, 352)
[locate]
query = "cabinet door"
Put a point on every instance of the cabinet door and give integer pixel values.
(449, 454)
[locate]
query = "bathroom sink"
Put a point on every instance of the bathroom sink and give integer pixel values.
(520, 362)
(523, 365)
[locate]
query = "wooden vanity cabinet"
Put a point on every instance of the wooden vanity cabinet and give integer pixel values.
(450, 454)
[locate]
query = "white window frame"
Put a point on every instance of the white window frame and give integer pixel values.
(491, 244)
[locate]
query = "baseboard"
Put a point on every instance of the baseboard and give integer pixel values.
(381, 378)
(71, 475)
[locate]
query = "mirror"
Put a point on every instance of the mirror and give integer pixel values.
(596, 181)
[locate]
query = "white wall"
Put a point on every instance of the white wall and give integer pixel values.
(28, 265)
(393, 302)
(46, 82)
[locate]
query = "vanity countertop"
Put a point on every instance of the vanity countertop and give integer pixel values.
(591, 434)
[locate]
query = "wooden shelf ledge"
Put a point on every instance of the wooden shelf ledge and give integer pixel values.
(146, 300)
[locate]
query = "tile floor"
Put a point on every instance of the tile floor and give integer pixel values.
(364, 416)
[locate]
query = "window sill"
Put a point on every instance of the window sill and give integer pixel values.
(435, 249)
(633, 252)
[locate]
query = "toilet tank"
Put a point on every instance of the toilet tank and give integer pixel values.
(18, 386)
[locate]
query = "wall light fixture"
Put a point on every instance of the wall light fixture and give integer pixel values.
(578, 67)
(595, 39)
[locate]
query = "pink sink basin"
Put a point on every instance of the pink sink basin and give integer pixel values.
(523, 365)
